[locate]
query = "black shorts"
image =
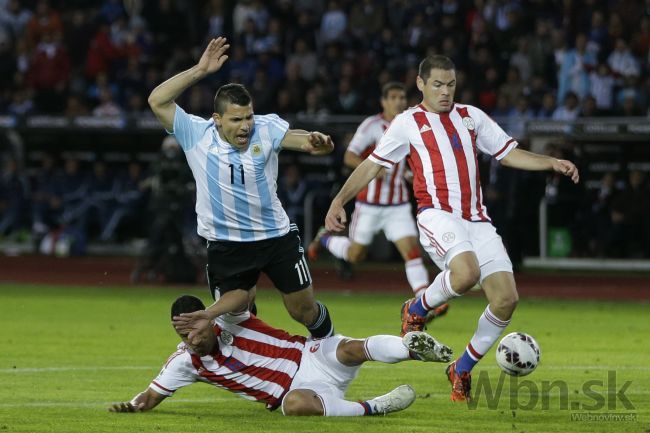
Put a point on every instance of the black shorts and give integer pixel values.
(237, 265)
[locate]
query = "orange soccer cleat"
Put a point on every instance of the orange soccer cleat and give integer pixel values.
(411, 321)
(461, 384)
(315, 245)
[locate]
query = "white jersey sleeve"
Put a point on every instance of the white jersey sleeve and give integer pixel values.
(277, 128)
(188, 128)
(363, 137)
(490, 138)
(393, 145)
(177, 372)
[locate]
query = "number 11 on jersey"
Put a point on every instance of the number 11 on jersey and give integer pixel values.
(232, 173)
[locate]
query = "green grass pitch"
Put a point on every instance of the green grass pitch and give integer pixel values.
(69, 352)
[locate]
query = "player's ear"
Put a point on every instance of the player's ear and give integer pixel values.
(217, 119)
(420, 83)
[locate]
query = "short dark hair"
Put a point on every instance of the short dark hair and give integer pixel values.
(231, 94)
(186, 304)
(434, 62)
(392, 85)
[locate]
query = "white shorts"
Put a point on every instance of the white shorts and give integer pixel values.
(320, 370)
(395, 221)
(444, 236)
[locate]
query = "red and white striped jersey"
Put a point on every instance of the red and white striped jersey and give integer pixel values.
(252, 359)
(386, 191)
(441, 149)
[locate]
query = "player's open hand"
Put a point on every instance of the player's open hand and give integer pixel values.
(319, 143)
(336, 219)
(126, 406)
(191, 323)
(214, 56)
(566, 168)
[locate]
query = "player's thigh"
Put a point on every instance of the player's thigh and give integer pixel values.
(365, 223)
(320, 369)
(443, 236)
(490, 251)
(398, 223)
(231, 266)
(283, 260)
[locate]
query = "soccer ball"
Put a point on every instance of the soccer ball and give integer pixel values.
(518, 354)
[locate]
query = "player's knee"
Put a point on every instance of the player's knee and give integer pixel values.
(351, 352)
(505, 305)
(297, 403)
(465, 280)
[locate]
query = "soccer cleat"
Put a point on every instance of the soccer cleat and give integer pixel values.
(440, 310)
(461, 384)
(398, 399)
(315, 245)
(426, 348)
(411, 321)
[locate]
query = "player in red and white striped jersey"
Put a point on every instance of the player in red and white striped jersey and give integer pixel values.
(244, 355)
(440, 140)
(384, 204)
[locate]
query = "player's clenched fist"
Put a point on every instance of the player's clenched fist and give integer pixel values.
(336, 218)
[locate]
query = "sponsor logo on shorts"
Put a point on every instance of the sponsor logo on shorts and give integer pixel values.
(448, 237)
(314, 348)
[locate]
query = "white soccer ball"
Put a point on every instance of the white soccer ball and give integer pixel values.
(518, 354)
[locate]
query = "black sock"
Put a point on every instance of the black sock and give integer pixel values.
(322, 327)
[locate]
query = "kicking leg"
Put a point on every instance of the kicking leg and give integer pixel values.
(303, 308)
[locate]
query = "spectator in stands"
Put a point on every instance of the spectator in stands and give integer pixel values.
(75, 106)
(100, 199)
(602, 87)
(574, 69)
(600, 219)
(22, 102)
(630, 228)
(588, 107)
(130, 206)
(569, 110)
(45, 21)
(333, 23)
(46, 203)
(49, 73)
(548, 106)
(14, 195)
(622, 62)
(72, 190)
(107, 107)
(303, 56)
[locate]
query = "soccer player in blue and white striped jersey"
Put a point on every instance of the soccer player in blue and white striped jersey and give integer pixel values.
(234, 159)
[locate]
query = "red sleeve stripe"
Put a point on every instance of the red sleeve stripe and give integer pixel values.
(162, 387)
(374, 155)
(512, 140)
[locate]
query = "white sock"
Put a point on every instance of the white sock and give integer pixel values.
(334, 406)
(438, 292)
(417, 276)
(385, 348)
(339, 246)
(488, 331)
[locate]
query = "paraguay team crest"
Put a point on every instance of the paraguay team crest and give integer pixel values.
(468, 122)
(256, 150)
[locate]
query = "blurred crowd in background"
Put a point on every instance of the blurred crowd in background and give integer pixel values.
(516, 59)
(527, 58)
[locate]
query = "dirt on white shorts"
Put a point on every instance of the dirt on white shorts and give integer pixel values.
(395, 221)
(320, 370)
(444, 236)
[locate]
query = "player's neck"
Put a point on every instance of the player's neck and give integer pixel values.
(388, 117)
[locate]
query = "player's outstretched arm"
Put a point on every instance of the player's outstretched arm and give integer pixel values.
(524, 160)
(142, 402)
(162, 97)
(315, 143)
(362, 175)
